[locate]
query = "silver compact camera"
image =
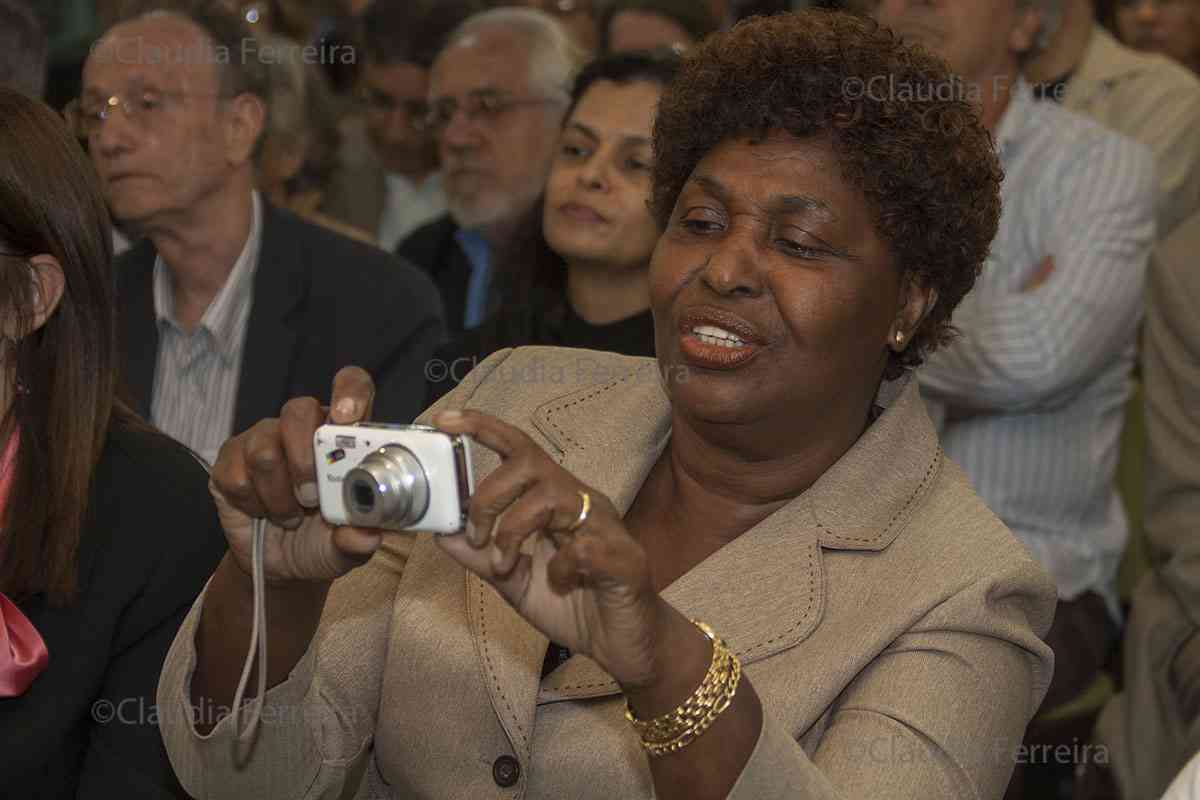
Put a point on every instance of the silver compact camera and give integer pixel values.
(396, 477)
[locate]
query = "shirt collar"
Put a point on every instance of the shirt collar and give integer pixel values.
(1106, 60)
(1017, 118)
(222, 319)
(401, 183)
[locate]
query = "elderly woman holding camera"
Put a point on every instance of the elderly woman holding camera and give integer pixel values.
(745, 570)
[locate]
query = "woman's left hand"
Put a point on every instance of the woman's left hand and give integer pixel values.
(590, 589)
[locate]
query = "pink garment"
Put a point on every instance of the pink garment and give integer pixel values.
(23, 654)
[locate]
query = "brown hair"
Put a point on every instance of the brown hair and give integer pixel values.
(922, 159)
(53, 204)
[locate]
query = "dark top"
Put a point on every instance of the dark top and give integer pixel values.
(545, 321)
(87, 726)
(321, 302)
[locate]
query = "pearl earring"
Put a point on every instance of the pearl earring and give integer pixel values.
(899, 338)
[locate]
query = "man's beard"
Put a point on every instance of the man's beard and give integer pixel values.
(480, 209)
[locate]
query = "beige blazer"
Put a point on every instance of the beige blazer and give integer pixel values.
(889, 622)
(1153, 727)
(1152, 100)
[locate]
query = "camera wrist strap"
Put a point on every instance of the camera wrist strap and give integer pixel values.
(258, 641)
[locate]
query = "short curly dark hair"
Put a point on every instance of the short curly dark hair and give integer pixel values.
(903, 130)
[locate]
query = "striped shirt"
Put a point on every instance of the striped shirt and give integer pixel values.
(196, 378)
(1032, 393)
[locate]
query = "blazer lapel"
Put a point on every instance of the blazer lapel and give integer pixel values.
(764, 592)
(510, 649)
(280, 282)
(138, 325)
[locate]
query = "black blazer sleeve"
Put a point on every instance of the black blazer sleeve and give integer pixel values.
(386, 317)
(88, 727)
(415, 332)
(173, 542)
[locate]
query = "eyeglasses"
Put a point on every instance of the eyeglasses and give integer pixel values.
(143, 109)
(482, 107)
(381, 103)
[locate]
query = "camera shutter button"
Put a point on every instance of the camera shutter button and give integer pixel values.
(506, 771)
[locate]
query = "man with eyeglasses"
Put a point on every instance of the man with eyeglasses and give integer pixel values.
(390, 183)
(497, 94)
(229, 306)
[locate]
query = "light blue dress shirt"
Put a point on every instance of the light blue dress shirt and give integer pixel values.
(479, 254)
(1035, 387)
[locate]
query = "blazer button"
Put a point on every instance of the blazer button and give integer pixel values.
(506, 771)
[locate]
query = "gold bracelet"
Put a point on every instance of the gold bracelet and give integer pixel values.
(677, 729)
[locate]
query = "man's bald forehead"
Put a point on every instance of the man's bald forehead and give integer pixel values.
(159, 22)
(162, 41)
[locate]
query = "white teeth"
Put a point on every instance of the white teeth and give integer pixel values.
(710, 334)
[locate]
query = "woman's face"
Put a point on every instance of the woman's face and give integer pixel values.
(595, 211)
(769, 247)
(1170, 27)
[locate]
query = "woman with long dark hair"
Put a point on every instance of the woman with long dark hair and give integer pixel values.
(579, 263)
(107, 531)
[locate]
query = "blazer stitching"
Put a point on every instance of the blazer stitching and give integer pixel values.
(918, 492)
(803, 616)
(492, 669)
(600, 390)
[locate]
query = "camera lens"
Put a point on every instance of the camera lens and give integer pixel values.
(364, 496)
(388, 489)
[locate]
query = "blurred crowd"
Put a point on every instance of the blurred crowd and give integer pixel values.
(413, 185)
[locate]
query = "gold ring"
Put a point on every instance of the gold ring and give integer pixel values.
(583, 512)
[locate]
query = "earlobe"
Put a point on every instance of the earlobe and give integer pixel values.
(919, 302)
(247, 121)
(49, 283)
(1024, 36)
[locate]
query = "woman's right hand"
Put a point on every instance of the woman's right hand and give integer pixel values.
(268, 471)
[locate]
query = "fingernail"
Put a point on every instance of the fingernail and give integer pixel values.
(347, 409)
(474, 535)
(497, 559)
(308, 495)
(291, 523)
(449, 416)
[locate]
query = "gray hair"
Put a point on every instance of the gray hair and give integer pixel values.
(301, 110)
(554, 58)
(22, 49)
(287, 95)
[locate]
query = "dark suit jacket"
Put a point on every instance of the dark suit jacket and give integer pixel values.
(433, 248)
(321, 302)
(87, 727)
